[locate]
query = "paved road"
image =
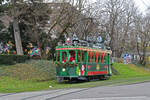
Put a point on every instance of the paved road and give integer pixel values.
(125, 92)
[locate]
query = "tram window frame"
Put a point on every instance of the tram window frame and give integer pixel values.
(58, 56)
(102, 54)
(96, 56)
(110, 59)
(93, 58)
(64, 57)
(99, 56)
(105, 58)
(89, 56)
(72, 55)
(79, 56)
(83, 56)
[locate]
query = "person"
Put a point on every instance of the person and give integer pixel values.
(25, 52)
(71, 57)
(64, 55)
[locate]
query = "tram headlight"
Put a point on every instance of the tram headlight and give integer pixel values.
(63, 69)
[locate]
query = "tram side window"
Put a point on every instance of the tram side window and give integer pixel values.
(89, 58)
(96, 57)
(79, 56)
(102, 55)
(64, 57)
(58, 56)
(71, 56)
(105, 58)
(82, 56)
(110, 59)
(93, 60)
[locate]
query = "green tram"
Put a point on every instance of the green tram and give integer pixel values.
(82, 63)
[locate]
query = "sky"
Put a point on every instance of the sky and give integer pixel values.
(141, 4)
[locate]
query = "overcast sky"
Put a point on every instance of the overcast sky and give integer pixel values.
(142, 4)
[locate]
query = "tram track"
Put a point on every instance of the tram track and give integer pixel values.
(52, 95)
(68, 93)
(7, 94)
(51, 92)
(11, 94)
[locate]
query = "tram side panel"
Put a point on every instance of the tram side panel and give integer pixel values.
(98, 64)
(68, 71)
(95, 67)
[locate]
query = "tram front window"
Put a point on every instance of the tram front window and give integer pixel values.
(79, 56)
(64, 57)
(72, 56)
(58, 56)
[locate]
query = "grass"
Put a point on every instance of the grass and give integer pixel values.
(39, 70)
(128, 74)
(130, 70)
(9, 85)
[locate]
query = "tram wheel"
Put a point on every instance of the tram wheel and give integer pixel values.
(101, 77)
(88, 79)
(60, 79)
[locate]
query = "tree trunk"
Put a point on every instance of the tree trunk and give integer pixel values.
(112, 41)
(18, 42)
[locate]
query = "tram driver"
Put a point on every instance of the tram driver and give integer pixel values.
(71, 56)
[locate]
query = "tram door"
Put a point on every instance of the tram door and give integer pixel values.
(84, 60)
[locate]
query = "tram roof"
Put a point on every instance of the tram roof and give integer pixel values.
(82, 48)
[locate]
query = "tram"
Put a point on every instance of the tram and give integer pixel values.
(82, 63)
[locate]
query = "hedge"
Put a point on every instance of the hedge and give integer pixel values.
(13, 59)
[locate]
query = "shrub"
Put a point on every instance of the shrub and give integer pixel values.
(45, 66)
(12, 59)
(3, 72)
(26, 72)
(34, 70)
(119, 60)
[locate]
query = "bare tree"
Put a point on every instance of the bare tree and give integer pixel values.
(115, 20)
(142, 24)
(15, 12)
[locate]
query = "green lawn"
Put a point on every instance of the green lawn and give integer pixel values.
(128, 74)
(129, 71)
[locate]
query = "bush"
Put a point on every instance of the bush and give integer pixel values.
(12, 59)
(26, 72)
(3, 71)
(45, 66)
(119, 60)
(34, 70)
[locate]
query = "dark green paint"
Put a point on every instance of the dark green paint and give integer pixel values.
(73, 71)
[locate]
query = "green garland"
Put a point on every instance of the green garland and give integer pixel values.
(66, 64)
